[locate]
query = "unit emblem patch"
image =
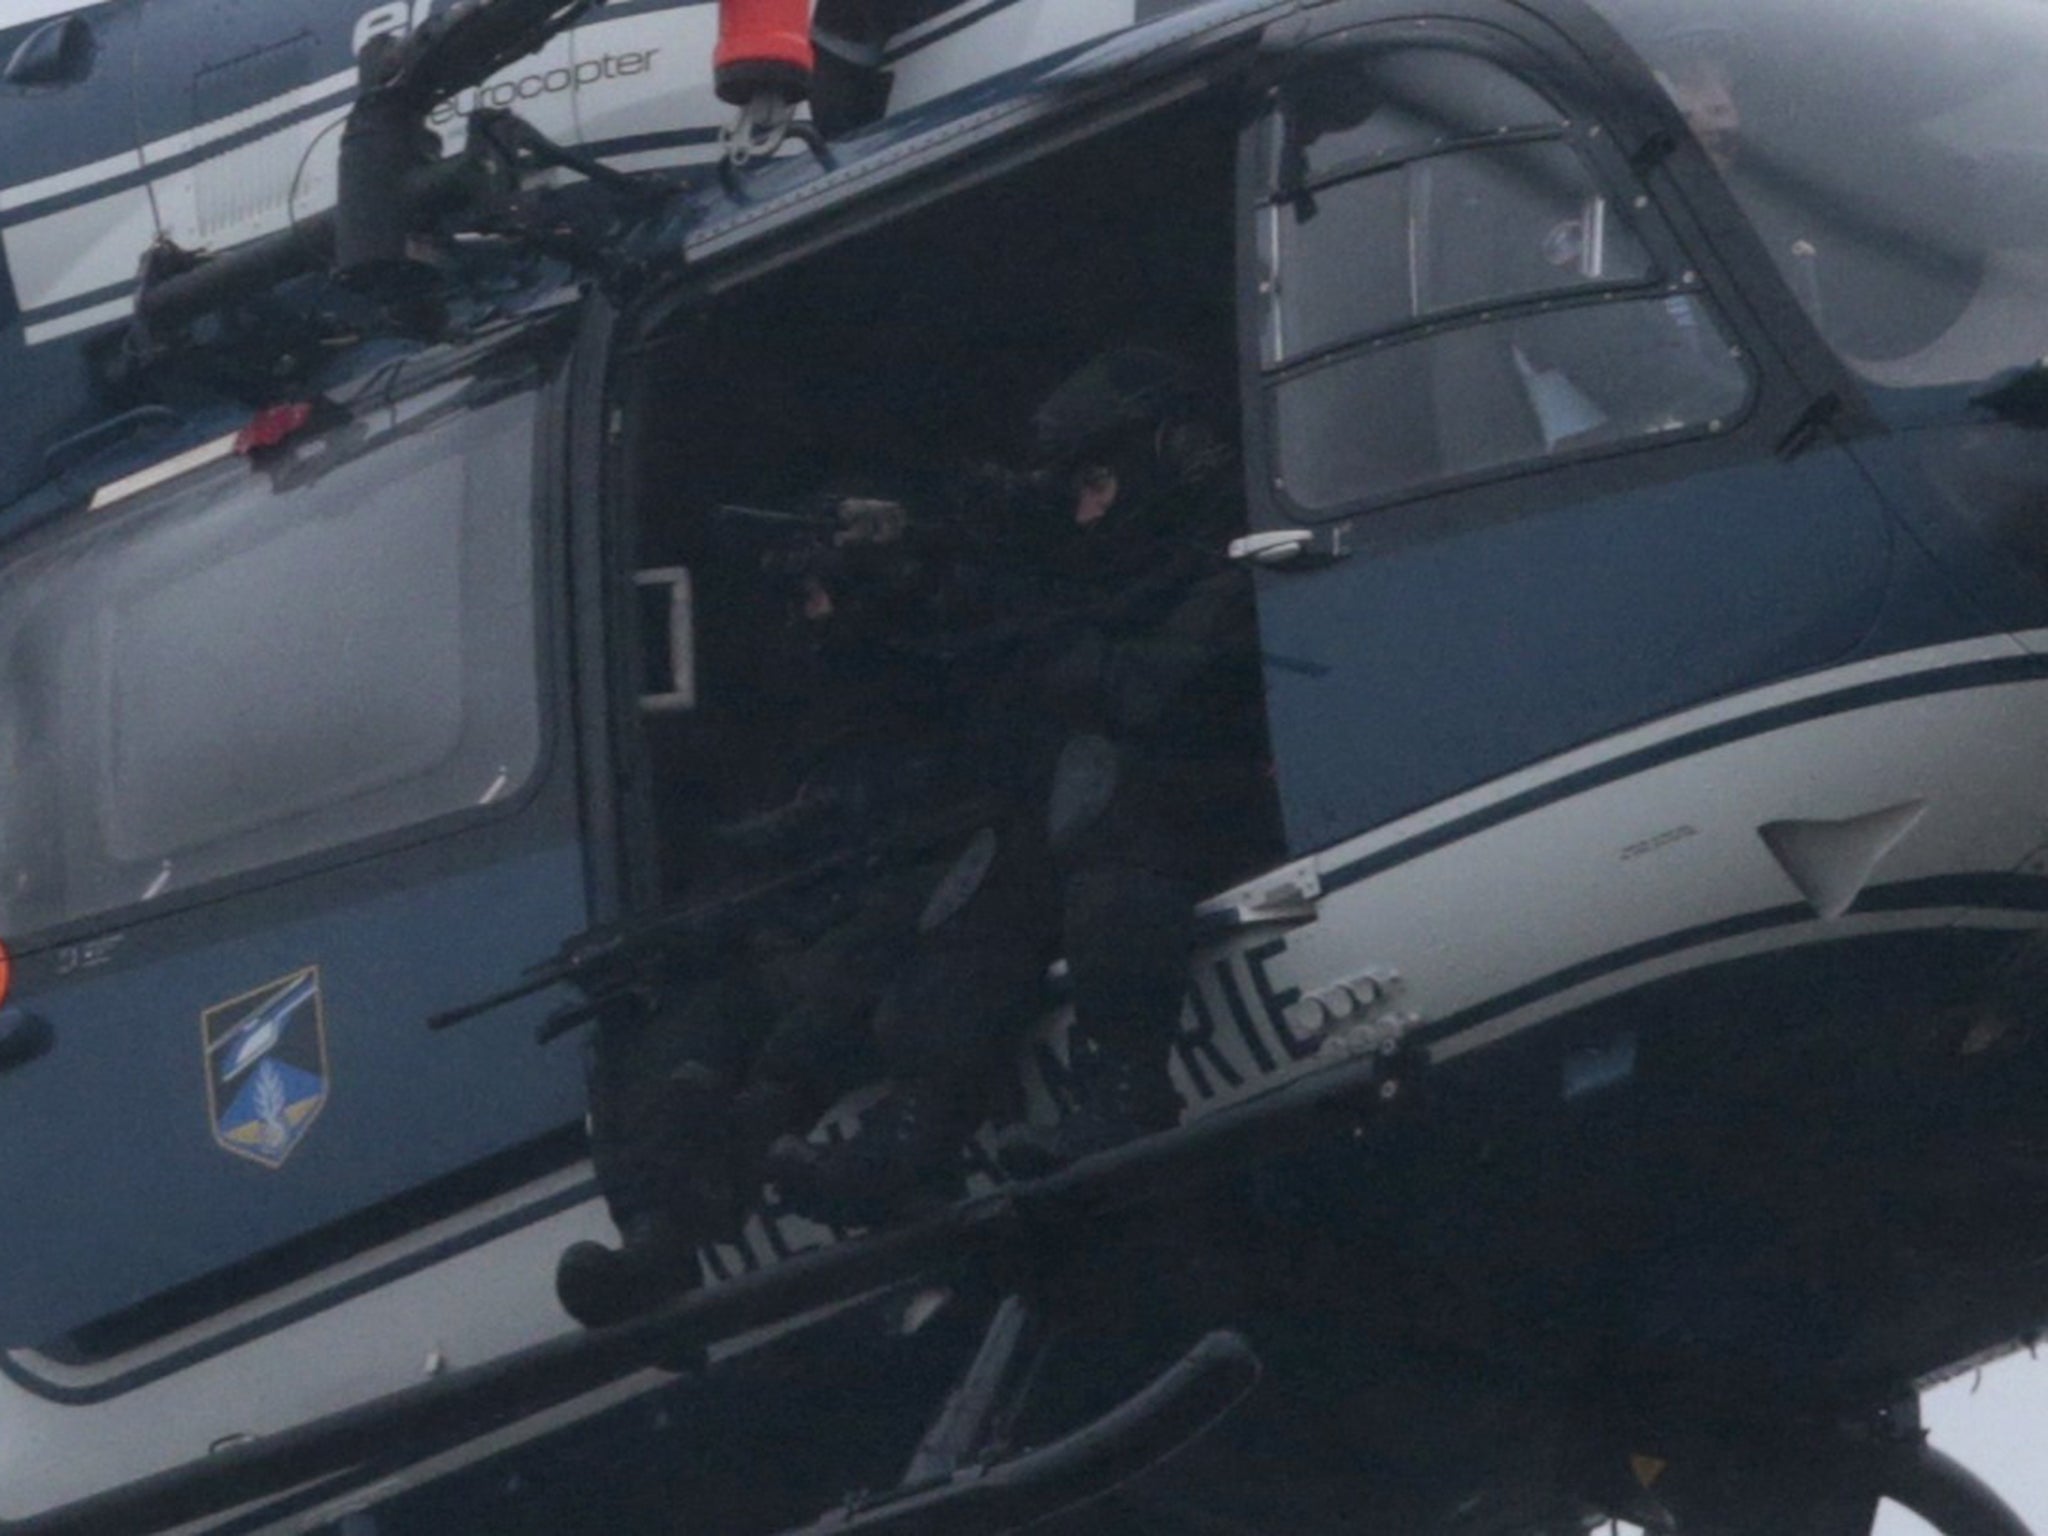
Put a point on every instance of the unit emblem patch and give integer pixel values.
(266, 1066)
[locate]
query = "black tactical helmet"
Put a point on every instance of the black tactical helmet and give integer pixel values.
(1108, 400)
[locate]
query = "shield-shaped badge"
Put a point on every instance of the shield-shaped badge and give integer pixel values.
(266, 1066)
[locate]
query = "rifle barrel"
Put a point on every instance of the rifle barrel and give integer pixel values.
(448, 1017)
(633, 942)
(818, 520)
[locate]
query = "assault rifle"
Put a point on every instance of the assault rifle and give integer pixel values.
(628, 963)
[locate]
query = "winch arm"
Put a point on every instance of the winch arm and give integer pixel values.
(464, 46)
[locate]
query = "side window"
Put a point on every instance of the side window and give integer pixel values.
(1449, 286)
(237, 671)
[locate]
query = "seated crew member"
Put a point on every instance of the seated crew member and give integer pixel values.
(685, 1097)
(1143, 683)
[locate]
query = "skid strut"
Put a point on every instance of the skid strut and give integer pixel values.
(1946, 1494)
(973, 1415)
(989, 1499)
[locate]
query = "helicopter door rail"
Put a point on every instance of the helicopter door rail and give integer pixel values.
(974, 1409)
(1285, 898)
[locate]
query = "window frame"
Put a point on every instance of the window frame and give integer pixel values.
(1674, 272)
(541, 374)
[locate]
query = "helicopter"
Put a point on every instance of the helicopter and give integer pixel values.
(1613, 1091)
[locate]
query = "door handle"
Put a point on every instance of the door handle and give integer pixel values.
(678, 620)
(1290, 549)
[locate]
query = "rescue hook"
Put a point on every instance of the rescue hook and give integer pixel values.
(763, 65)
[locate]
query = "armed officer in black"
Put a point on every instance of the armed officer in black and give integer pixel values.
(1133, 669)
(862, 781)
(1157, 795)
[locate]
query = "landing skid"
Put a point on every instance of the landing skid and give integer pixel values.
(993, 1497)
(1831, 1483)
(1947, 1494)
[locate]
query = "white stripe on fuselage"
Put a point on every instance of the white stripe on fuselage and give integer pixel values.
(1721, 952)
(79, 320)
(1675, 849)
(1026, 30)
(609, 79)
(125, 163)
(1878, 669)
(1016, 33)
(1569, 881)
(156, 151)
(59, 256)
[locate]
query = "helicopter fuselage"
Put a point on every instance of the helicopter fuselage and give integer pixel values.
(1654, 628)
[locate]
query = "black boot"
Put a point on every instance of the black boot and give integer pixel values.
(905, 1157)
(663, 1151)
(1117, 1097)
(600, 1286)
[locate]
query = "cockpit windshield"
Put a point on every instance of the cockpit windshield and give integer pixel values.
(1892, 155)
(252, 663)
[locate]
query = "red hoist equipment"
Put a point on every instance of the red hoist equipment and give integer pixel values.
(764, 49)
